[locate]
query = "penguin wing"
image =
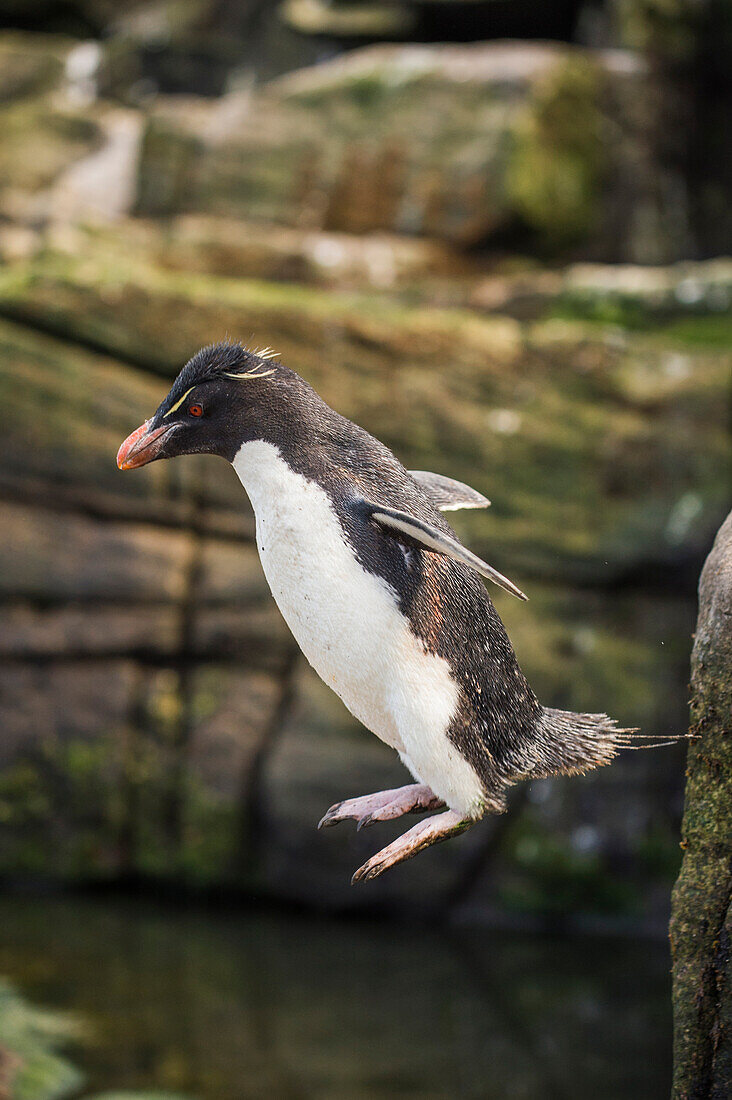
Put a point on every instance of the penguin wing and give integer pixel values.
(401, 524)
(448, 494)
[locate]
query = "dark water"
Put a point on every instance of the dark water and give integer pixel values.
(227, 1007)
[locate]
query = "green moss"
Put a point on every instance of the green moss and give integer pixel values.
(553, 174)
(708, 331)
(365, 91)
(23, 799)
(73, 784)
(139, 1096)
(693, 327)
(604, 309)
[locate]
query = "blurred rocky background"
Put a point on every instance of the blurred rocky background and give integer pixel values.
(494, 234)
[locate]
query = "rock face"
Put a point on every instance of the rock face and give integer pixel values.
(442, 389)
(572, 152)
(450, 142)
(701, 926)
(44, 133)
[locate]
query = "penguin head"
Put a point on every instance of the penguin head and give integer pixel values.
(223, 397)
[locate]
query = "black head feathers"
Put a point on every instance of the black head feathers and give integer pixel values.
(216, 362)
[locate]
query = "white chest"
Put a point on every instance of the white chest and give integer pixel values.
(346, 620)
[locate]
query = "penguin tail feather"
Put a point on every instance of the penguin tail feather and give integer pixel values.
(570, 744)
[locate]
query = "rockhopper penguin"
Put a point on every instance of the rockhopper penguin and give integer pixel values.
(385, 603)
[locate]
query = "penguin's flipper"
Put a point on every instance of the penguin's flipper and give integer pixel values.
(401, 525)
(448, 494)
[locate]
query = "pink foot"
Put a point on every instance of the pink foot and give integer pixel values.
(382, 806)
(421, 835)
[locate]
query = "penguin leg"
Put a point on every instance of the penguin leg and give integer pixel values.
(421, 835)
(383, 806)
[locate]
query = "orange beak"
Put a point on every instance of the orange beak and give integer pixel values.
(142, 446)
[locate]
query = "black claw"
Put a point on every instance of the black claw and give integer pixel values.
(364, 822)
(366, 873)
(327, 818)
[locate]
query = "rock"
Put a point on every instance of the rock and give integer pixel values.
(18, 242)
(555, 169)
(223, 246)
(36, 633)
(701, 924)
(347, 21)
(47, 556)
(597, 417)
(626, 294)
(44, 132)
(451, 142)
(636, 293)
(39, 144)
(70, 411)
(675, 34)
(525, 295)
(101, 186)
(157, 1095)
(139, 766)
(460, 143)
(65, 155)
(31, 64)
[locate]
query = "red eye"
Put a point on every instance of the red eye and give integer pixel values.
(195, 410)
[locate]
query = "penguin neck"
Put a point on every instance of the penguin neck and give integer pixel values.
(266, 474)
(304, 441)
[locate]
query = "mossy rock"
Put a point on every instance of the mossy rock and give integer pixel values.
(71, 410)
(588, 444)
(30, 64)
(444, 141)
(44, 132)
(39, 142)
(553, 175)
